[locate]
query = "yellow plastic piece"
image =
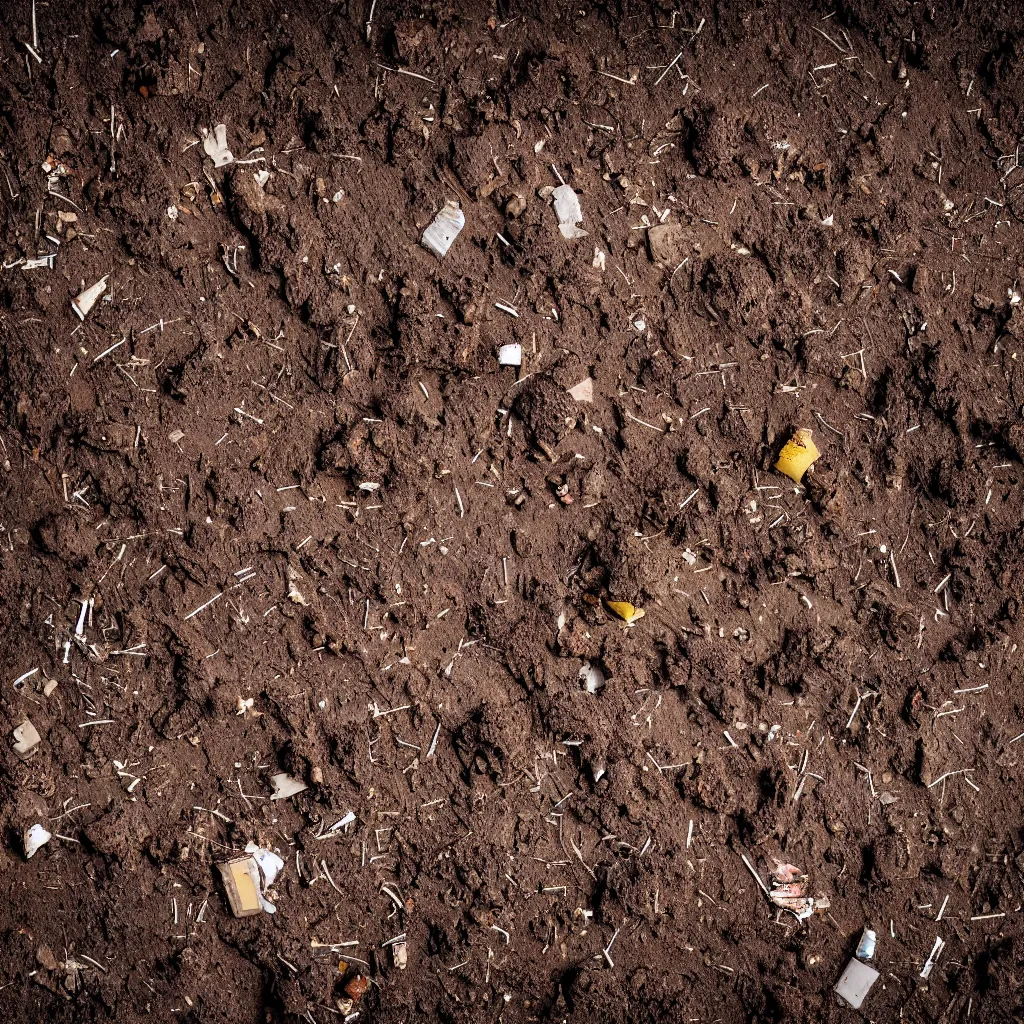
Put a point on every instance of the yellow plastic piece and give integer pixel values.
(797, 455)
(625, 611)
(239, 880)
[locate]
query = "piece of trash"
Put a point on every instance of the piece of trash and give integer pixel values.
(369, 486)
(245, 704)
(175, 436)
(600, 260)
(797, 455)
(240, 876)
(84, 302)
(336, 828)
(247, 878)
(568, 212)
(584, 391)
(932, 957)
(172, 212)
(866, 946)
(285, 786)
(444, 229)
(26, 739)
(788, 893)
(510, 355)
(592, 678)
(215, 146)
(855, 983)
(828, 221)
(294, 594)
(400, 955)
(624, 610)
(36, 837)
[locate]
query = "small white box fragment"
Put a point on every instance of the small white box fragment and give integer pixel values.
(568, 212)
(855, 983)
(26, 739)
(215, 146)
(84, 302)
(444, 229)
(510, 355)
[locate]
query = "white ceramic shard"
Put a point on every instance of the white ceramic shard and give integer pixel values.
(215, 146)
(36, 837)
(510, 355)
(84, 302)
(444, 229)
(855, 983)
(285, 786)
(568, 212)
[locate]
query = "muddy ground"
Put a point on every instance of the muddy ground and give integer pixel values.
(273, 506)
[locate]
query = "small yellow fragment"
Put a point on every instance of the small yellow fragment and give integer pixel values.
(625, 611)
(797, 455)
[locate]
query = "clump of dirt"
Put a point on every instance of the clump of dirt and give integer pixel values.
(273, 506)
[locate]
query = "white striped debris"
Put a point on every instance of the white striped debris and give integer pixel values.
(84, 302)
(215, 146)
(444, 229)
(568, 212)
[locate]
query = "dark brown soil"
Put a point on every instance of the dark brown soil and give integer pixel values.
(286, 412)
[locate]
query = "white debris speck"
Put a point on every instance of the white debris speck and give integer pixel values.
(262, 177)
(444, 229)
(568, 212)
(215, 146)
(599, 260)
(172, 212)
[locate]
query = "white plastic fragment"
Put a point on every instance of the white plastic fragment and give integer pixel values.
(600, 260)
(215, 146)
(568, 212)
(933, 957)
(444, 229)
(866, 946)
(262, 177)
(510, 355)
(855, 983)
(270, 866)
(285, 786)
(36, 837)
(26, 739)
(584, 391)
(592, 678)
(84, 302)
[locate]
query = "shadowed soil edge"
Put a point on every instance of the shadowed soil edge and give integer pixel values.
(273, 506)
